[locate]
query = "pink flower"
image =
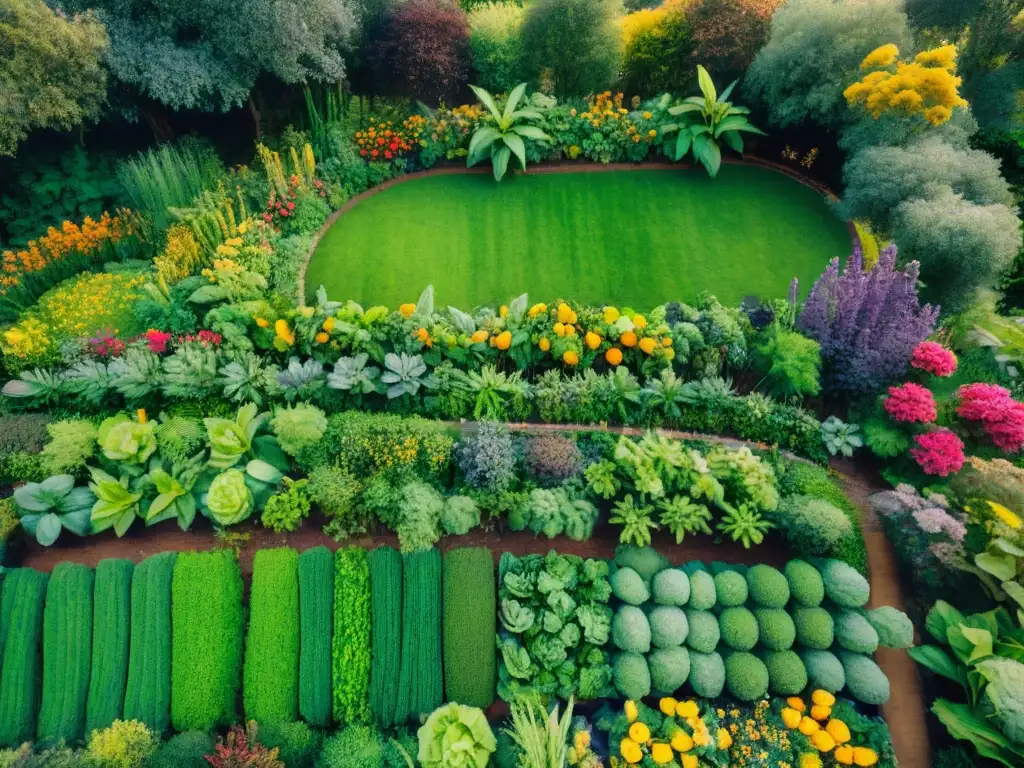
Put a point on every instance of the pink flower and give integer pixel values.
(1001, 416)
(939, 452)
(209, 337)
(157, 340)
(933, 358)
(911, 403)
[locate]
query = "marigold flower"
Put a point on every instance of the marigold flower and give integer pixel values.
(478, 336)
(791, 718)
(661, 753)
(569, 357)
(613, 356)
(283, 332)
(570, 330)
(838, 730)
(823, 698)
(565, 313)
(592, 340)
(864, 756)
(503, 340)
(808, 726)
(544, 344)
(820, 713)
(559, 329)
(423, 335)
(795, 702)
(407, 309)
(322, 338)
(639, 321)
(262, 322)
(628, 339)
(648, 345)
(843, 754)
(822, 742)
(328, 324)
(640, 733)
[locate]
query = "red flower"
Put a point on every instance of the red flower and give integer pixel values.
(267, 217)
(911, 403)
(1001, 416)
(939, 452)
(380, 141)
(387, 154)
(291, 206)
(362, 152)
(374, 153)
(933, 358)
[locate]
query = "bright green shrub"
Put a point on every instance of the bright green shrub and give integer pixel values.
(669, 669)
(812, 526)
(704, 632)
(420, 689)
(495, 45)
(855, 633)
(297, 743)
(646, 561)
(668, 626)
(122, 744)
(787, 675)
(629, 587)
(670, 587)
(775, 628)
(67, 649)
(186, 750)
(893, 626)
(316, 622)
(815, 628)
(731, 588)
(702, 591)
(110, 638)
(746, 676)
(844, 585)
(147, 696)
(738, 627)
(865, 680)
(459, 515)
(270, 685)
(824, 670)
(358, 746)
(386, 635)
(768, 586)
(805, 582)
(631, 675)
(707, 674)
(207, 630)
(351, 649)
(468, 622)
(21, 631)
(630, 630)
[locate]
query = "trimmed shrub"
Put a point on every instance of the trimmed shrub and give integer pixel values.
(865, 680)
(704, 632)
(297, 743)
(814, 627)
(656, 50)
(812, 526)
(358, 746)
(646, 561)
(805, 583)
(707, 674)
(731, 588)
(147, 696)
(787, 675)
(186, 750)
(110, 639)
(768, 586)
(824, 670)
(670, 587)
(270, 690)
(746, 676)
(351, 649)
(893, 626)
(855, 633)
(420, 687)
(702, 591)
(630, 630)
(386, 635)
(207, 630)
(668, 626)
(21, 631)
(316, 622)
(669, 668)
(738, 627)
(775, 628)
(469, 622)
(844, 586)
(629, 587)
(67, 648)
(123, 744)
(551, 459)
(496, 46)
(631, 675)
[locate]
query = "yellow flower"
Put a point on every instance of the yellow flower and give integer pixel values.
(647, 115)
(613, 356)
(822, 742)
(687, 709)
(565, 313)
(631, 711)
(570, 357)
(648, 345)
(808, 726)
(844, 754)
(791, 717)
(639, 733)
(820, 712)
(141, 415)
(810, 760)
(478, 336)
(640, 321)
(661, 753)
(328, 324)
(882, 56)
(14, 336)
(667, 705)
(701, 738)
(670, 353)
(233, 242)
(243, 228)
(503, 310)
(795, 702)
(610, 314)
(724, 739)
(1007, 516)
(667, 341)
(570, 330)
(630, 750)
(593, 341)
(322, 338)
(681, 741)
(407, 309)
(581, 740)
(628, 339)
(864, 756)
(262, 322)
(559, 329)
(284, 332)
(690, 761)
(537, 309)
(838, 730)
(823, 698)
(544, 344)
(503, 340)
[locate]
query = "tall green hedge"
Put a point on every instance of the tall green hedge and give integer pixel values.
(420, 687)
(316, 611)
(207, 631)
(21, 629)
(386, 607)
(271, 682)
(351, 648)
(110, 637)
(147, 696)
(469, 613)
(67, 650)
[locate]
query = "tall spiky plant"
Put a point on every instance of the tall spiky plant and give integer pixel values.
(542, 736)
(501, 136)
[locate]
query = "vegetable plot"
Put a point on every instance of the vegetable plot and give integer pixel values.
(316, 601)
(469, 624)
(351, 650)
(21, 628)
(147, 695)
(386, 656)
(419, 683)
(110, 638)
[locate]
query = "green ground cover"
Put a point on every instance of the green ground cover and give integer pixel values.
(636, 238)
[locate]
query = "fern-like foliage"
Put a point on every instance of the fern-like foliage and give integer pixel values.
(92, 380)
(137, 375)
(191, 373)
(180, 438)
(246, 380)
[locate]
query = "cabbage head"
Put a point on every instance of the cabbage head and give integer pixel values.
(456, 736)
(229, 500)
(126, 440)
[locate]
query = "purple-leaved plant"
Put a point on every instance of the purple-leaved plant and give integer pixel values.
(867, 322)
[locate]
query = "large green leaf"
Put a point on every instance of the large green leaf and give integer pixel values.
(684, 108)
(488, 101)
(1015, 591)
(530, 132)
(734, 140)
(962, 723)
(1002, 566)
(47, 529)
(939, 662)
(512, 103)
(480, 144)
(707, 87)
(940, 618)
(735, 123)
(682, 145)
(515, 143)
(711, 157)
(499, 161)
(526, 114)
(728, 91)
(982, 640)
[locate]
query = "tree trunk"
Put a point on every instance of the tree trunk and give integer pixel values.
(255, 117)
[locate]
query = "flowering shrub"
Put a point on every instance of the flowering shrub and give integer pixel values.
(939, 452)
(911, 403)
(380, 140)
(1001, 417)
(933, 358)
(181, 256)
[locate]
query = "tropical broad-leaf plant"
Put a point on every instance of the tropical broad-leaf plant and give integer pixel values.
(502, 134)
(48, 507)
(706, 121)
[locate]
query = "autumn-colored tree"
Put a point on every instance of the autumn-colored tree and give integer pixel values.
(656, 50)
(727, 34)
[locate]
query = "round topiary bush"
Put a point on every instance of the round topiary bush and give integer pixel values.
(824, 670)
(631, 675)
(775, 628)
(668, 626)
(738, 627)
(704, 633)
(844, 585)
(855, 633)
(670, 587)
(805, 583)
(865, 680)
(768, 586)
(812, 526)
(630, 630)
(731, 588)
(629, 587)
(702, 591)
(787, 675)
(814, 628)
(746, 676)
(646, 561)
(893, 626)
(669, 667)
(707, 674)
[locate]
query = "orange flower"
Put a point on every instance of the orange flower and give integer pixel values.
(262, 322)
(613, 356)
(478, 337)
(628, 339)
(322, 338)
(647, 345)
(424, 337)
(407, 309)
(503, 340)
(570, 357)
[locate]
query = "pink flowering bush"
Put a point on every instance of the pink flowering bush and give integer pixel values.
(933, 358)
(1000, 415)
(939, 452)
(157, 340)
(911, 403)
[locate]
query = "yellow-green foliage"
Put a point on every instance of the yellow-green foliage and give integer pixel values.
(868, 242)
(123, 744)
(351, 650)
(21, 628)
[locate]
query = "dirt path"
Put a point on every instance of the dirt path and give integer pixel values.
(905, 710)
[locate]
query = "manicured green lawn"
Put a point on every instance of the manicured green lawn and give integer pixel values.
(636, 238)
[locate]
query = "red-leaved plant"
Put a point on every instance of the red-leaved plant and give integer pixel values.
(240, 749)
